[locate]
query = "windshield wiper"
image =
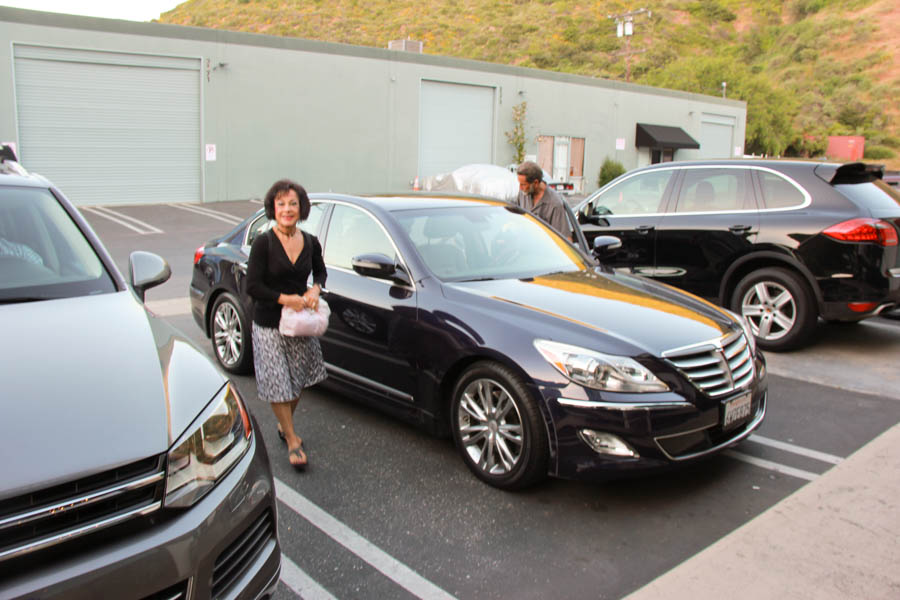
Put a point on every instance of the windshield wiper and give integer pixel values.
(478, 279)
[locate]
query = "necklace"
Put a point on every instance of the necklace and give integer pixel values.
(286, 234)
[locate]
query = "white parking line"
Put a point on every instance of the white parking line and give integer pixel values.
(302, 584)
(376, 557)
(206, 212)
(772, 466)
(122, 219)
(822, 456)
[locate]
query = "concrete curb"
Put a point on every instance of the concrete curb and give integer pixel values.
(835, 538)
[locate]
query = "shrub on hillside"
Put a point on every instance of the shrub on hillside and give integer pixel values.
(877, 152)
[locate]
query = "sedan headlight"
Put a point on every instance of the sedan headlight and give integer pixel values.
(214, 443)
(599, 371)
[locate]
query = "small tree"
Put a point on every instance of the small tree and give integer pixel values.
(609, 170)
(516, 137)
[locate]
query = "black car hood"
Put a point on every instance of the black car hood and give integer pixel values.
(645, 315)
(91, 383)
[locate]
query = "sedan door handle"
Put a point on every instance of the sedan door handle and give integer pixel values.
(644, 229)
(739, 229)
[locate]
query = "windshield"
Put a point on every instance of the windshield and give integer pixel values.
(43, 253)
(487, 242)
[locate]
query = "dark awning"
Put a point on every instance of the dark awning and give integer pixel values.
(663, 136)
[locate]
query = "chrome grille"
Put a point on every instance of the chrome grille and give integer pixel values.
(50, 516)
(239, 556)
(717, 367)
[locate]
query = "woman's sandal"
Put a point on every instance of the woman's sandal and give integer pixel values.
(300, 454)
(281, 435)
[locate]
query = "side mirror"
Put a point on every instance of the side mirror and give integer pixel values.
(605, 246)
(380, 266)
(147, 270)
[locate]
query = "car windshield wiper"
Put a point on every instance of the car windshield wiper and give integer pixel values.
(478, 279)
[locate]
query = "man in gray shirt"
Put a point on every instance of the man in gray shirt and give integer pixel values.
(540, 200)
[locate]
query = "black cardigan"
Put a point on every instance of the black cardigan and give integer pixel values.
(270, 274)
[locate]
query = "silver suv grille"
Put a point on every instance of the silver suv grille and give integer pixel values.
(717, 367)
(51, 516)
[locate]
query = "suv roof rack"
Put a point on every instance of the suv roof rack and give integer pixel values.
(9, 163)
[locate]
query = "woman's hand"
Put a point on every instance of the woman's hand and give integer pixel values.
(311, 297)
(295, 301)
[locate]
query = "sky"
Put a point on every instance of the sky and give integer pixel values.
(131, 10)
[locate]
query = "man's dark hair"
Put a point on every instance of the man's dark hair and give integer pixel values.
(531, 170)
(280, 187)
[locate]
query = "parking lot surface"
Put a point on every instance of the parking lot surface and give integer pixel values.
(386, 511)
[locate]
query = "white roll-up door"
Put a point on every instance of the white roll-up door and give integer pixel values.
(110, 128)
(716, 136)
(456, 126)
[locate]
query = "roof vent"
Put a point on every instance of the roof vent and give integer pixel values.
(407, 45)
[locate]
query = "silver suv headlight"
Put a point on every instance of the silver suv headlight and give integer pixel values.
(599, 371)
(214, 443)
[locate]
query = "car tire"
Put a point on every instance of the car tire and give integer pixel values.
(498, 427)
(230, 335)
(779, 306)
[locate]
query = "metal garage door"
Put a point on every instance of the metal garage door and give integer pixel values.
(456, 126)
(110, 128)
(716, 136)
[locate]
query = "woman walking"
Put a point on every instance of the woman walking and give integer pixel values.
(277, 273)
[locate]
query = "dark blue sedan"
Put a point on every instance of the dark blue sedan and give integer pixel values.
(471, 318)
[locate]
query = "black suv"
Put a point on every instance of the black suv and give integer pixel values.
(780, 242)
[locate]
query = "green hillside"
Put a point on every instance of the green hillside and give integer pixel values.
(807, 68)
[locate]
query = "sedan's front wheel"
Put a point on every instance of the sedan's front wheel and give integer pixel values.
(498, 427)
(230, 335)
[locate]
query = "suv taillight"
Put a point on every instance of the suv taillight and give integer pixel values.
(864, 230)
(198, 254)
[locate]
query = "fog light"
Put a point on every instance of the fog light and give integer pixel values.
(606, 443)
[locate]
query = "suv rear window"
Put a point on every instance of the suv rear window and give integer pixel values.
(876, 196)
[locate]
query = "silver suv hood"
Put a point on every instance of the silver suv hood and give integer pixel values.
(91, 383)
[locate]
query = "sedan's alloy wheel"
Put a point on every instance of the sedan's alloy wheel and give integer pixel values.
(230, 335)
(498, 427)
(490, 427)
(227, 333)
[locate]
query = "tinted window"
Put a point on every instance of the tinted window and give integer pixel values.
(714, 190)
(778, 192)
(352, 232)
(640, 194)
(876, 195)
(43, 253)
(487, 242)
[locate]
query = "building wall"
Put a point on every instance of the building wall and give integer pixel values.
(345, 118)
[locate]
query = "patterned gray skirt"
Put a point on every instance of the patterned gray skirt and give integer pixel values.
(285, 365)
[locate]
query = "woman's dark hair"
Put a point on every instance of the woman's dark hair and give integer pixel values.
(280, 187)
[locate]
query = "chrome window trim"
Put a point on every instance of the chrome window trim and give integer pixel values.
(623, 406)
(807, 199)
(75, 533)
(60, 507)
(760, 414)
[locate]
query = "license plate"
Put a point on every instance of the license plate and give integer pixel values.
(737, 410)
